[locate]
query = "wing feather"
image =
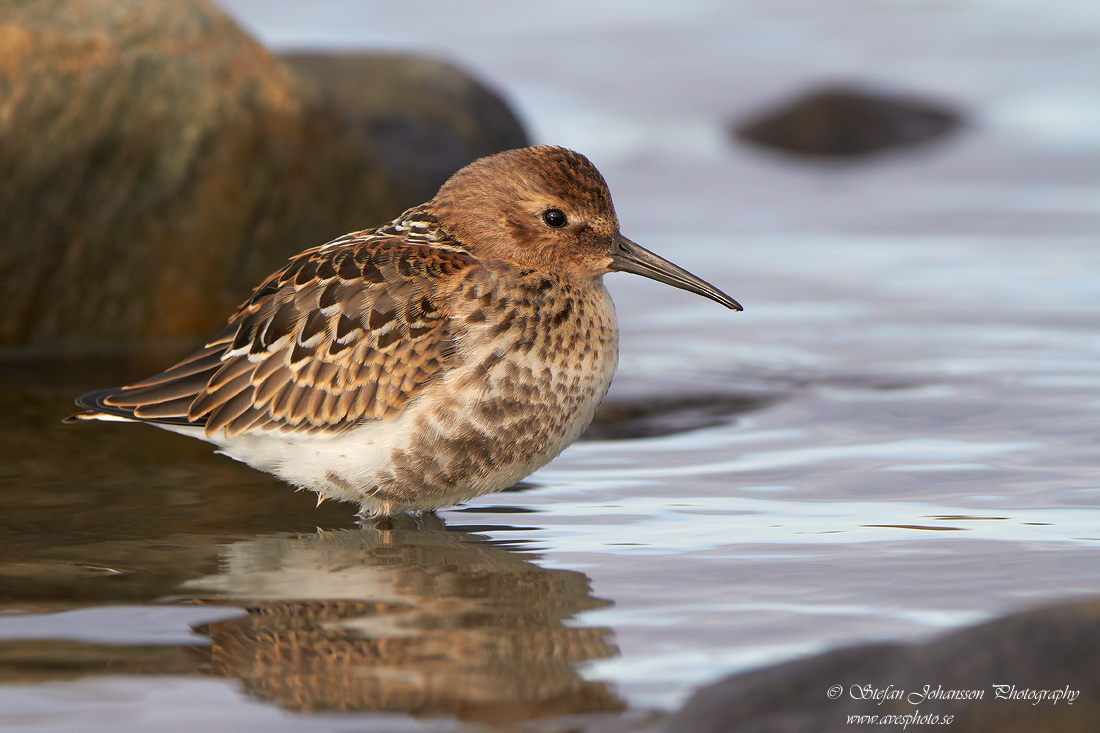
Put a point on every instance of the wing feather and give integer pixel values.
(229, 410)
(166, 409)
(347, 332)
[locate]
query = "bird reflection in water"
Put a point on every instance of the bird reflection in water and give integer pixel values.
(413, 618)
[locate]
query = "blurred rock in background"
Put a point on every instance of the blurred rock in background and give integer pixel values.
(423, 118)
(846, 122)
(156, 162)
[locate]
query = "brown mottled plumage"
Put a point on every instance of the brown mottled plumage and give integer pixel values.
(442, 356)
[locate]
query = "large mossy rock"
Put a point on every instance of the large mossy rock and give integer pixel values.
(155, 164)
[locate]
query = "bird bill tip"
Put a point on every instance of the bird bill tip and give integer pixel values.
(631, 257)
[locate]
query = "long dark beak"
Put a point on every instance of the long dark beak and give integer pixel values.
(630, 257)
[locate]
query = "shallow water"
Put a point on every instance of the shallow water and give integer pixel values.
(899, 435)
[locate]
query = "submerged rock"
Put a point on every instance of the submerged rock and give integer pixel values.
(847, 122)
(157, 163)
(1010, 662)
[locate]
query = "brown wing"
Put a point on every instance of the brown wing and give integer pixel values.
(348, 332)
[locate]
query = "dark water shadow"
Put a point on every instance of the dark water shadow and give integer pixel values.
(659, 416)
(109, 513)
(643, 410)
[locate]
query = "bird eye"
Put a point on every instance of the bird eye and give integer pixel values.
(554, 218)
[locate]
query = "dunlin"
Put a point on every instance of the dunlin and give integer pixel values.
(439, 357)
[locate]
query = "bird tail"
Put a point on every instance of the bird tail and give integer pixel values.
(96, 407)
(163, 399)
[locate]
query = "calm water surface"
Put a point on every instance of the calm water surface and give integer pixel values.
(900, 434)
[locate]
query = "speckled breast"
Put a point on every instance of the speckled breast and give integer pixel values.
(533, 359)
